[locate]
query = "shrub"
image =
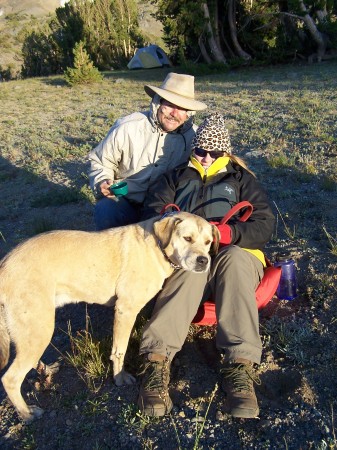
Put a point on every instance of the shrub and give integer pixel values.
(84, 71)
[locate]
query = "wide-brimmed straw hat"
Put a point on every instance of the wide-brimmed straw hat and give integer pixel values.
(179, 90)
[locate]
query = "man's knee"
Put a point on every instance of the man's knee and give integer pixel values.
(104, 214)
(109, 213)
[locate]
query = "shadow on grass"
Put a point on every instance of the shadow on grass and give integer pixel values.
(40, 204)
(54, 81)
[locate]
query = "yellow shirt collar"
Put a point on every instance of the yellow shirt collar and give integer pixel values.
(213, 169)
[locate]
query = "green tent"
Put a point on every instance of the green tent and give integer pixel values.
(148, 58)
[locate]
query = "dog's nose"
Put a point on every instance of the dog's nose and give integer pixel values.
(202, 261)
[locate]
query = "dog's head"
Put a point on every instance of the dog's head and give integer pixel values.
(188, 240)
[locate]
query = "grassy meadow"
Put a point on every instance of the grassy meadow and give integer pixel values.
(283, 122)
(47, 129)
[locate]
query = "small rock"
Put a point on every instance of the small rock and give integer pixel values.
(198, 419)
(219, 416)
(254, 154)
(265, 423)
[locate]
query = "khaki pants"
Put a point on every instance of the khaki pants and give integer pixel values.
(231, 283)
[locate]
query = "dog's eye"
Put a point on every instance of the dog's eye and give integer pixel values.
(188, 238)
(208, 242)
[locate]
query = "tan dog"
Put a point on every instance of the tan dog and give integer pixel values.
(125, 267)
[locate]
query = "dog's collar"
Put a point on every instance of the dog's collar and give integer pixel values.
(175, 266)
(168, 214)
(164, 212)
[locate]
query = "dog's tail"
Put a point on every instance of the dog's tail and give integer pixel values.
(4, 339)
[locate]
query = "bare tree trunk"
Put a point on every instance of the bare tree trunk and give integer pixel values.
(322, 14)
(233, 31)
(216, 26)
(315, 33)
(203, 50)
(215, 50)
(228, 48)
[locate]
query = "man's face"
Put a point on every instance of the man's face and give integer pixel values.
(171, 116)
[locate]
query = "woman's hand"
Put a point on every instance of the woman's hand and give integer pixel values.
(225, 233)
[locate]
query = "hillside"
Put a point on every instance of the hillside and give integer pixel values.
(16, 14)
(14, 17)
(37, 8)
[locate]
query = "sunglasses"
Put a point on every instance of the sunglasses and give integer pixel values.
(202, 153)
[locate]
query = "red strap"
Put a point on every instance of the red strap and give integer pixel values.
(236, 209)
(170, 205)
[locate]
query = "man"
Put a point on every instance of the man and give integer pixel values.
(141, 147)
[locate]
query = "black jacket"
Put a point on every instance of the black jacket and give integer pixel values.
(213, 199)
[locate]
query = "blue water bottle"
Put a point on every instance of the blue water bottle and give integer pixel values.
(288, 285)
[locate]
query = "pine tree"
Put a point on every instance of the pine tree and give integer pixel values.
(84, 71)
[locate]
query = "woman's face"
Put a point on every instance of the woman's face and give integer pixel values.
(206, 159)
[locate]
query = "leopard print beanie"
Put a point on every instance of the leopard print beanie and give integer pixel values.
(212, 135)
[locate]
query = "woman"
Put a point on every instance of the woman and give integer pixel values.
(209, 185)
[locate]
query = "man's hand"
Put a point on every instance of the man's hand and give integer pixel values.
(104, 188)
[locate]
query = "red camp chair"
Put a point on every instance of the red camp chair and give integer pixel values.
(264, 292)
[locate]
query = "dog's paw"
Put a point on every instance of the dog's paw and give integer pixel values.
(124, 378)
(48, 369)
(34, 412)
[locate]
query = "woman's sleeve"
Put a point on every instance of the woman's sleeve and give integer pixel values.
(258, 229)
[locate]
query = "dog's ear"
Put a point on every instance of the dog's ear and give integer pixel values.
(216, 237)
(164, 228)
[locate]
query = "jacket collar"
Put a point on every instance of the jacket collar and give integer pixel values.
(219, 166)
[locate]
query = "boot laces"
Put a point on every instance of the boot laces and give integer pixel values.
(156, 375)
(241, 376)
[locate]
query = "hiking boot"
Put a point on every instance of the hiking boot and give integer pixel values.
(154, 399)
(238, 384)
